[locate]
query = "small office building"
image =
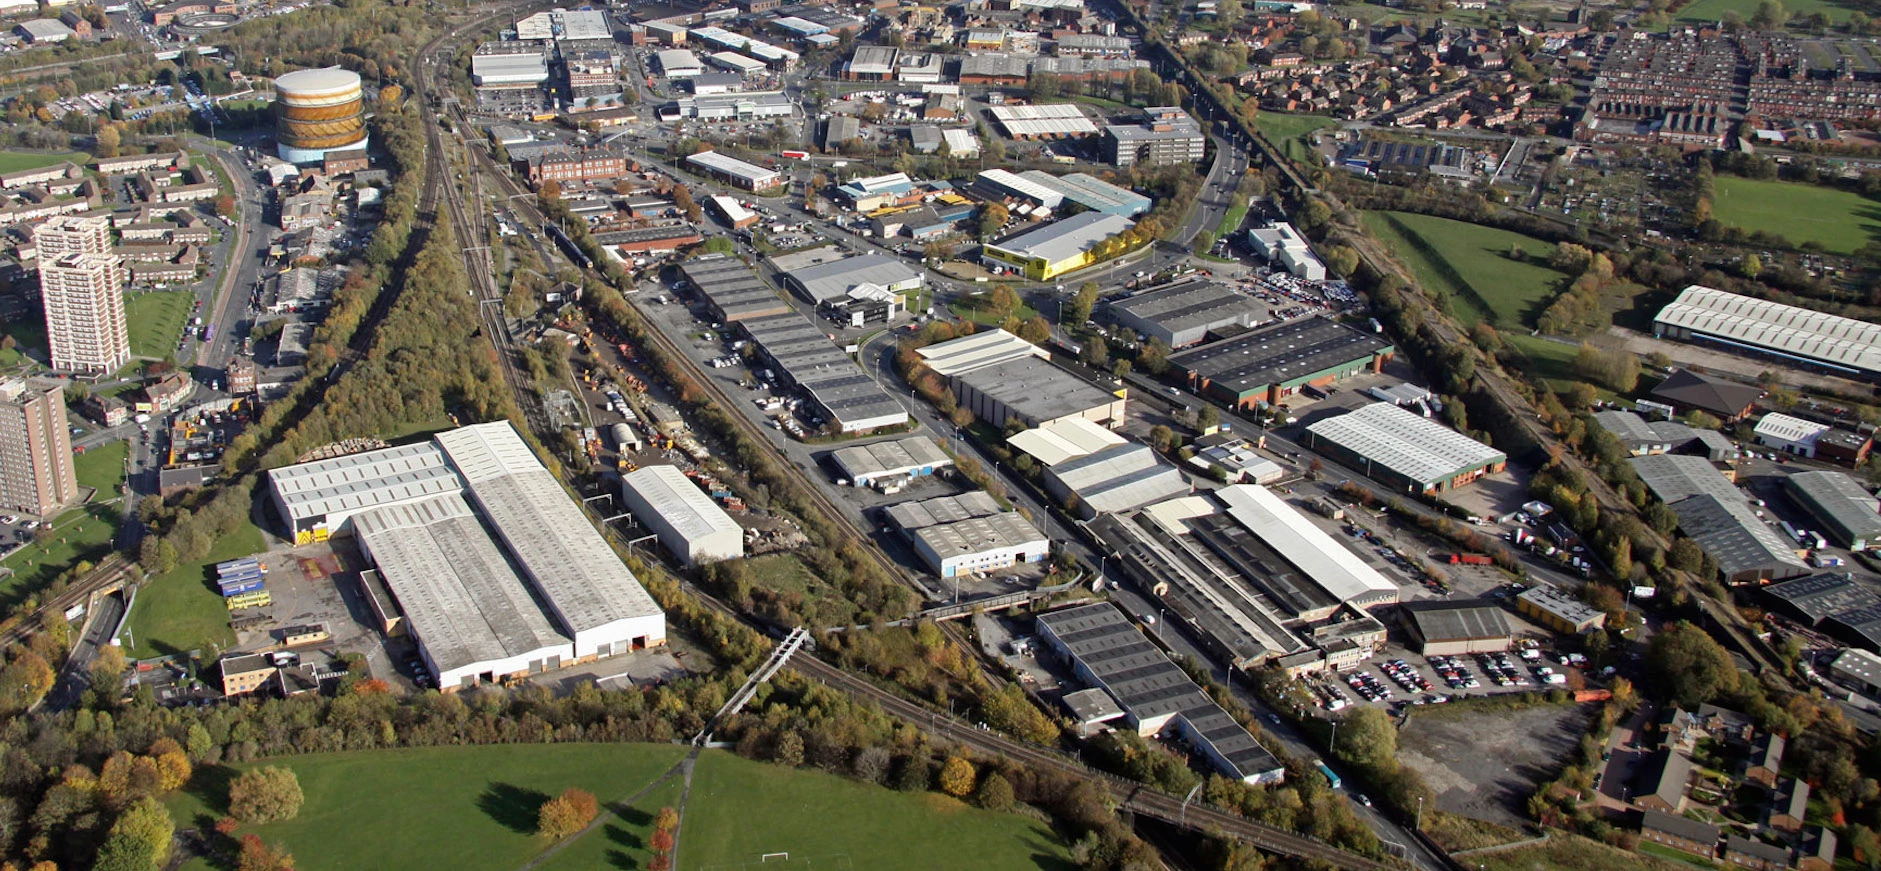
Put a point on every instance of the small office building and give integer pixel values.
(1559, 611)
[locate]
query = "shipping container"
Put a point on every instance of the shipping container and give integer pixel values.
(1331, 778)
(240, 587)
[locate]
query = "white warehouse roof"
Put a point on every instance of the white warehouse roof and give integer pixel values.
(1120, 477)
(979, 350)
(1773, 326)
(1795, 430)
(1330, 564)
(678, 62)
(1415, 447)
(1065, 440)
(685, 512)
(509, 69)
(341, 486)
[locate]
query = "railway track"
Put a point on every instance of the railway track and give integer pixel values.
(110, 570)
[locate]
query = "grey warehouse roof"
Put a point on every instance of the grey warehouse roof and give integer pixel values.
(1190, 305)
(462, 597)
(836, 278)
(1416, 447)
(896, 457)
(941, 509)
(1035, 388)
(1279, 353)
(1819, 597)
(1836, 499)
(1458, 621)
(978, 534)
(732, 287)
(583, 579)
(1144, 681)
(818, 366)
(1120, 477)
(977, 351)
(1715, 514)
(1064, 239)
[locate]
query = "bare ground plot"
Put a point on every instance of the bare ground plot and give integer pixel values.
(1485, 765)
(1746, 367)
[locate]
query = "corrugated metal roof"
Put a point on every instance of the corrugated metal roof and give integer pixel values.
(1776, 326)
(685, 507)
(1329, 563)
(1064, 440)
(1415, 447)
(360, 481)
(580, 575)
(981, 349)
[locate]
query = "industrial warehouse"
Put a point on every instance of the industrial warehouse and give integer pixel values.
(1404, 450)
(733, 171)
(689, 523)
(1093, 471)
(1708, 316)
(1274, 362)
(732, 291)
(979, 544)
(1458, 628)
(1046, 251)
(1110, 654)
(1034, 189)
(839, 279)
(1841, 507)
(1033, 392)
(845, 396)
(496, 572)
(1714, 513)
(890, 461)
(1185, 312)
(1841, 605)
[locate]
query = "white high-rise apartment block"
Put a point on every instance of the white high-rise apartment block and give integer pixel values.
(72, 234)
(83, 296)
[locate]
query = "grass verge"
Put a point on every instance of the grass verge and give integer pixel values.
(1565, 852)
(83, 533)
(180, 611)
(156, 320)
(461, 808)
(15, 161)
(1288, 132)
(741, 810)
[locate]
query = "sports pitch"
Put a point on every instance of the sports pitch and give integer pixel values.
(1839, 220)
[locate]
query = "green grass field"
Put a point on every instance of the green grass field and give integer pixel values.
(82, 533)
(14, 161)
(28, 333)
(1471, 263)
(1563, 852)
(179, 611)
(457, 808)
(1840, 221)
(1713, 10)
(156, 320)
(741, 809)
(620, 842)
(1288, 132)
(474, 808)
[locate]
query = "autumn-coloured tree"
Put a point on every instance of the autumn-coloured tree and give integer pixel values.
(566, 814)
(258, 856)
(958, 777)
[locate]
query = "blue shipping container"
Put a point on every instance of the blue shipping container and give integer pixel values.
(250, 575)
(243, 587)
(243, 563)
